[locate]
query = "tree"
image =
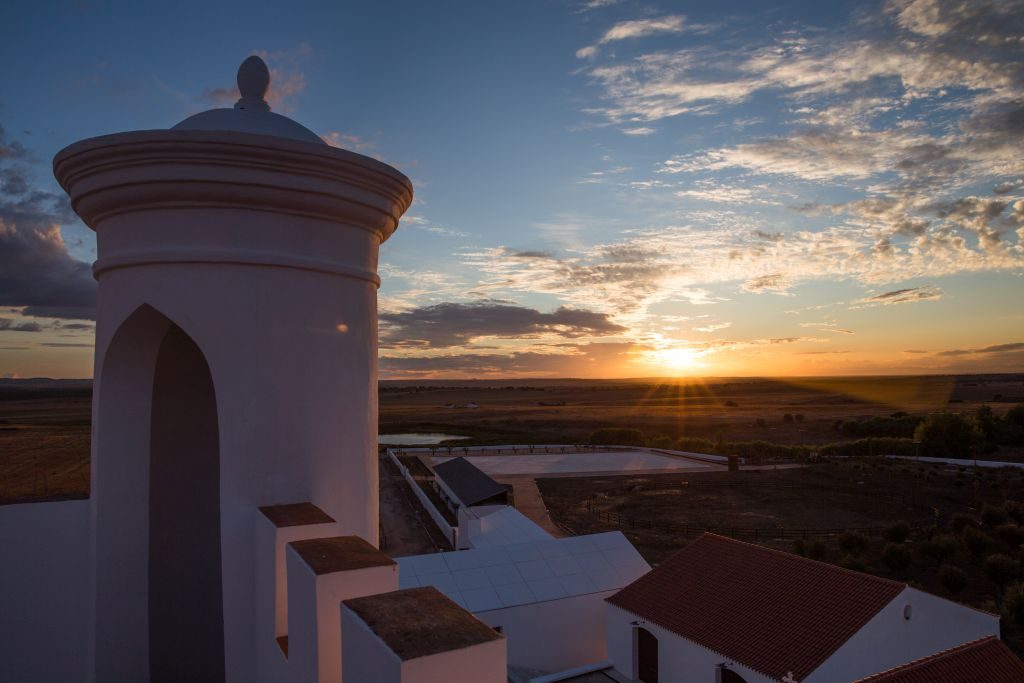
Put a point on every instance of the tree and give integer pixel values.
(986, 420)
(953, 578)
(896, 532)
(853, 544)
(940, 548)
(1000, 569)
(1014, 602)
(976, 540)
(896, 556)
(948, 435)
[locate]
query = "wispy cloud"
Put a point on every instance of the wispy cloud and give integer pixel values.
(636, 28)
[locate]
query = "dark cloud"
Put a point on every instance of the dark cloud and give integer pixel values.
(37, 274)
(13, 181)
(902, 296)
(576, 361)
(12, 149)
(996, 348)
(455, 324)
(8, 325)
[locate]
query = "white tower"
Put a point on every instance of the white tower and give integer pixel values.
(236, 367)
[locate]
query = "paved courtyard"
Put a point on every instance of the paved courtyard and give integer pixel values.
(582, 463)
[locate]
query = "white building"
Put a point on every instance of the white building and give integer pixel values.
(745, 613)
(546, 596)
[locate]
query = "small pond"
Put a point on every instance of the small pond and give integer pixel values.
(416, 439)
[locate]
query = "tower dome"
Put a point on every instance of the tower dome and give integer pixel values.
(251, 113)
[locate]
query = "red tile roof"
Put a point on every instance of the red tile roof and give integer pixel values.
(983, 661)
(768, 610)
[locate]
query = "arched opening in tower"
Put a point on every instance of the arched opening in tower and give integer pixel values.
(186, 620)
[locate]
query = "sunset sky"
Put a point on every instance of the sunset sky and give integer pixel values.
(603, 189)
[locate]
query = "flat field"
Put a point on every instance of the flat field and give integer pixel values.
(567, 411)
(44, 424)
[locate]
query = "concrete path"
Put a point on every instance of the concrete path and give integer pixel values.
(531, 503)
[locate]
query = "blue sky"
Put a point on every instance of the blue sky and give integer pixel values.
(602, 188)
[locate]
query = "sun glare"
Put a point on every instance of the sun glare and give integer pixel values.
(677, 359)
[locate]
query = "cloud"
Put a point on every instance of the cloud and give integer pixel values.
(903, 296)
(713, 327)
(569, 360)
(454, 324)
(774, 282)
(640, 130)
(636, 28)
(8, 325)
(37, 274)
(996, 348)
(12, 149)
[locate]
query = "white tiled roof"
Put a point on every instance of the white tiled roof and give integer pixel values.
(505, 576)
(501, 525)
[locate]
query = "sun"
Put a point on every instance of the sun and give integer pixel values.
(678, 359)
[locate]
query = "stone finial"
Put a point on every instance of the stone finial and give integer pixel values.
(253, 83)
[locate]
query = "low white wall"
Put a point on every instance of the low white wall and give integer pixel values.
(959, 462)
(556, 634)
(45, 592)
(452, 534)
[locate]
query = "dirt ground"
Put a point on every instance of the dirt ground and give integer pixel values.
(831, 495)
(406, 528)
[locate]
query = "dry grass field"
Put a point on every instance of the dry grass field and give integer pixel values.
(541, 411)
(44, 426)
(44, 443)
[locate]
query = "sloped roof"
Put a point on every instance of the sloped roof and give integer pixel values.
(498, 525)
(484, 579)
(986, 660)
(467, 482)
(768, 610)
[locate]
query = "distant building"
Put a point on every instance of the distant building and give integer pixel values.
(749, 614)
(463, 484)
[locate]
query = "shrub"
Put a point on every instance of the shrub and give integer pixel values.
(852, 563)
(896, 556)
(896, 532)
(759, 422)
(816, 550)
(799, 417)
(787, 418)
(799, 547)
(1015, 510)
(976, 540)
(992, 516)
(1000, 569)
(960, 522)
(662, 441)
(853, 543)
(953, 578)
(616, 436)
(940, 548)
(948, 435)
(1010, 534)
(695, 444)
(1013, 602)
